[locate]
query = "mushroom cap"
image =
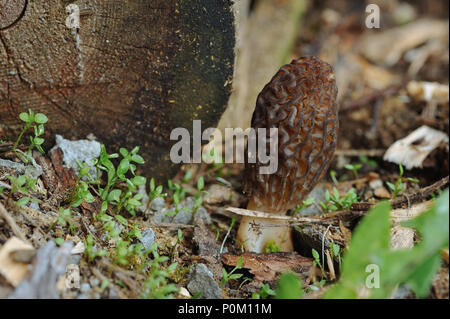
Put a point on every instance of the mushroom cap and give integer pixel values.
(300, 101)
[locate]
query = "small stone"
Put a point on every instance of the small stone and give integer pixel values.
(203, 214)
(318, 193)
(218, 194)
(184, 292)
(374, 184)
(113, 293)
(29, 170)
(184, 216)
(202, 280)
(34, 205)
(81, 151)
(157, 204)
(94, 281)
(382, 192)
(148, 238)
(85, 287)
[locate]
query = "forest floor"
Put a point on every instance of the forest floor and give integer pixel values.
(150, 245)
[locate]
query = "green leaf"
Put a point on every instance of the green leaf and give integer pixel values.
(24, 117)
(23, 201)
(123, 167)
(200, 183)
(114, 195)
(137, 159)
(289, 287)
(138, 180)
(40, 118)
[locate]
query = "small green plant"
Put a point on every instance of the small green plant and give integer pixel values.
(370, 246)
(156, 286)
(129, 198)
(233, 221)
(198, 197)
(335, 251)
(227, 276)
(399, 186)
(317, 262)
(334, 201)
(306, 203)
(65, 218)
(365, 160)
(22, 184)
(354, 168)
(271, 247)
(35, 121)
(264, 292)
(92, 252)
(333, 176)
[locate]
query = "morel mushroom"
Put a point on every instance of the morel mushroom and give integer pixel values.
(300, 101)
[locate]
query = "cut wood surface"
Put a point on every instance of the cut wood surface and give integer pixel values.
(130, 73)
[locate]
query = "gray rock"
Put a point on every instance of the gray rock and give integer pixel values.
(203, 214)
(94, 281)
(157, 204)
(85, 287)
(148, 238)
(144, 200)
(202, 280)
(34, 205)
(184, 216)
(81, 151)
(113, 293)
(33, 171)
(318, 193)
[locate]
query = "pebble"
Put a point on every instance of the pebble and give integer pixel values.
(157, 204)
(202, 280)
(80, 150)
(148, 238)
(85, 287)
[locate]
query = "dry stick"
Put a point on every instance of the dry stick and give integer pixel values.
(421, 195)
(12, 223)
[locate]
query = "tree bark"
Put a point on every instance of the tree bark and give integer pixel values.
(130, 73)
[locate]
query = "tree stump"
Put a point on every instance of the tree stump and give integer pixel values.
(130, 73)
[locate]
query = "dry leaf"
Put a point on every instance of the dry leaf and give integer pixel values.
(412, 150)
(13, 271)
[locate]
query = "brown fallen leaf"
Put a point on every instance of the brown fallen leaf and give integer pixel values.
(267, 267)
(382, 192)
(13, 271)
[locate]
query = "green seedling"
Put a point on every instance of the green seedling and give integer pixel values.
(23, 185)
(368, 161)
(264, 292)
(65, 218)
(317, 262)
(35, 121)
(399, 186)
(289, 287)
(92, 252)
(306, 203)
(227, 276)
(156, 286)
(271, 247)
(354, 168)
(334, 201)
(233, 221)
(333, 176)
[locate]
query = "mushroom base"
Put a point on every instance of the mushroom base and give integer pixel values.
(255, 236)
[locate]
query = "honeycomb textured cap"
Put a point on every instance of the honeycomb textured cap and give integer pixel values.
(300, 101)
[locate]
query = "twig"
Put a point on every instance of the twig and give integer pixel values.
(12, 223)
(421, 195)
(368, 153)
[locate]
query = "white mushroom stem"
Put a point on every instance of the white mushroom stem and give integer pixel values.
(254, 236)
